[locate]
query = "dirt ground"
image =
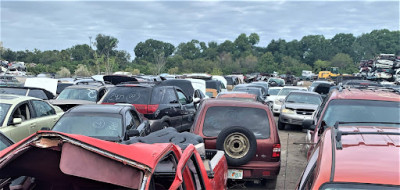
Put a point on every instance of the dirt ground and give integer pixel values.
(293, 160)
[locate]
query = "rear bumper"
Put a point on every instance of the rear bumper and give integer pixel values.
(259, 170)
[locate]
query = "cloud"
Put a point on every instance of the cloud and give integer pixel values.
(59, 25)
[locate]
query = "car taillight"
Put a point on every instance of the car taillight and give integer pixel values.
(276, 150)
(152, 108)
(141, 108)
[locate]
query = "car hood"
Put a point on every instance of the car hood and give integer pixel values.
(301, 106)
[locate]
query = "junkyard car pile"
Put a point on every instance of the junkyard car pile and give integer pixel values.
(168, 132)
(383, 67)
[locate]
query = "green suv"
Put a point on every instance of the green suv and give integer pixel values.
(21, 116)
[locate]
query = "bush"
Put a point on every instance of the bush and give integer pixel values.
(64, 72)
(82, 71)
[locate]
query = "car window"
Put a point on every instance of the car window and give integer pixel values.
(273, 91)
(90, 124)
(128, 120)
(22, 111)
(362, 111)
(4, 142)
(42, 108)
(169, 96)
(308, 176)
(219, 117)
(136, 118)
(304, 98)
(3, 111)
(78, 94)
(130, 95)
(15, 91)
(38, 94)
(182, 98)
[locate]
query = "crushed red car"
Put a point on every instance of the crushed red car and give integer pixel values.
(246, 131)
(61, 161)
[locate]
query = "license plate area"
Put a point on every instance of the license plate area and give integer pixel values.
(235, 174)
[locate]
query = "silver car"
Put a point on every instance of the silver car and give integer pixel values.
(298, 106)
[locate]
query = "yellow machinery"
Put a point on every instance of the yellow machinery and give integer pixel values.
(333, 72)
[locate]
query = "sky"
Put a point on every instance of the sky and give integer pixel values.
(49, 25)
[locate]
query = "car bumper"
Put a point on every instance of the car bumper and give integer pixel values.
(293, 119)
(259, 169)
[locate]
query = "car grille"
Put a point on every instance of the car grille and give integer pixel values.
(304, 112)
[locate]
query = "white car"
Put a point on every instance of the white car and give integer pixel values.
(276, 108)
(272, 94)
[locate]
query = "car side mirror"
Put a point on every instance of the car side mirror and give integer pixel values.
(196, 100)
(17, 121)
(174, 102)
(132, 133)
(308, 124)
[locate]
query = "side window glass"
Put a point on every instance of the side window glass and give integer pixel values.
(169, 96)
(22, 112)
(101, 94)
(308, 176)
(37, 94)
(128, 120)
(182, 97)
(42, 108)
(136, 118)
(195, 173)
(164, 173)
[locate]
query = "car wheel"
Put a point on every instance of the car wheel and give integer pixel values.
(281, 126)
(239, 144)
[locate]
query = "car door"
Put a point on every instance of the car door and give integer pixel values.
(44, 115)
(20, 130)
(172, 108)
(187, 111)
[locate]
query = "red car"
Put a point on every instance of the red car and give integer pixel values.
(354, 157)
(65, 161)
(246, 131)
(353, 105)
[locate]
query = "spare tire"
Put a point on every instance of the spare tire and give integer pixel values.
(239, 144)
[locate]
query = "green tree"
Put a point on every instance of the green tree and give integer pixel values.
(82, 71)
(267, 63)
(344, 62)
(64, 72)
(320, 65)
(150, 48)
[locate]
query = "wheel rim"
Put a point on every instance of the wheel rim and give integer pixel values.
(236, 145)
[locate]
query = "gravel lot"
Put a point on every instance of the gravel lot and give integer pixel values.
(293, 160)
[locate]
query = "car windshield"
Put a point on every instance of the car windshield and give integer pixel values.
(304, 98)
(78, 94)
(219, 117)
(273, 91)
(286, 91)
(15, 91)
(130, 95)
(90, 124)
(229, 80)
(357, 186)
(277, 80)
(314, 84)
(362, 111)
(3, 112)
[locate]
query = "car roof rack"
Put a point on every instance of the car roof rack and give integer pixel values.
(338, 134)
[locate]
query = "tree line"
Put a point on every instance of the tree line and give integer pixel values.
(243, 55)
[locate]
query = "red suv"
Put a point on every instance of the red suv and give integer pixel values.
(354, 105)
(355, 156)
(246, 131)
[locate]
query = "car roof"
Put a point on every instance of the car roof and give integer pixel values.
(14, 99)
(366, 94)
(295, 87)
(99, 108)
(238, 95)
(86, 86)
(227, 102)
(277, 87)
(364, 158)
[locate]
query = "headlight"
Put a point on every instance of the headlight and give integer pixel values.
(288, 111)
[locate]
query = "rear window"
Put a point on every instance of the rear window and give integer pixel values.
(38, 94)
(130, 95)
(15, 91)
(219, 117)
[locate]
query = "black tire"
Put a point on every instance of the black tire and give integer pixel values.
(232, 134)
(281, 126)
